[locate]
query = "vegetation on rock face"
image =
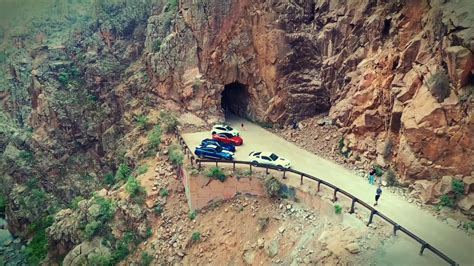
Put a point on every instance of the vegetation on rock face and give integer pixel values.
(123, 172)
(217, 173)
(142, 121)
(192, 215)
(146, 259)
(156, 46)
(154, 140)
(37, 248)
(3, 204)
(337, 209)
(196, 236)
(164, 192)
(175, 155)
(438, 84)
(136, 191)
(273, 187)
(169, 121)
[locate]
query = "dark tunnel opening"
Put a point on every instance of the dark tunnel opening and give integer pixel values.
(235, 99)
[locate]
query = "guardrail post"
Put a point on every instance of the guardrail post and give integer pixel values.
(319, 185)
(192, 159)
(250, 167)
(216, 164)
(334, 198)
(372, 213)
(284, 174)
(266, 170)
(233, 167)
(354, 200)
(395, 228)
(423, 246)
(199, 165)
(301, 182)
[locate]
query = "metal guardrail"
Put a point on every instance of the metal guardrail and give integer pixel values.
(355, 200)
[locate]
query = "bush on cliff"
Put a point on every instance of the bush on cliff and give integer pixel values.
(217, 173)
(438, 84)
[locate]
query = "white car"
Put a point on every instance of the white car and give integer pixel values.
(269, 158)
(218, 129)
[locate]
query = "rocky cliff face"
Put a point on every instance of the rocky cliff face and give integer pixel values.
(396, 76)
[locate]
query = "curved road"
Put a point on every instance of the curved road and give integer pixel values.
(453, 242)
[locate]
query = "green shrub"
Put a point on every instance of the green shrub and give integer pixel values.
(135, 190)
(273, 187)
(391, 178)
(217, 173)
(106, 209)
(169, 121)
(175, 155)
(100, 260)
(337, 209)
(142, 169)
(146, 259)
(3, 58)
(156, 46)
(192, 215)
(154, 138)
(378, 170)
(164, 192)
(123, 172)
(458, 188)
(446, 201)
(91, 229)
(468, 226)
(142, 121)
(121, 250)
(26, 156)
(37, 248)
(196, 236)
(75, 202)
(63, 78)
(158, 209)
(109, 179)
(388, 149)
(3, 204)
(149, 232)
(438, 84)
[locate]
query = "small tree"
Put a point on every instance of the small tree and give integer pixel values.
(154, 138)
(458, 188)
(338, 209)
(135, 189)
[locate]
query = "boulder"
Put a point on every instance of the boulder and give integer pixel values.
(468, 184)
(272, 248)
(353, 248)
(460, 64)
(467, 202)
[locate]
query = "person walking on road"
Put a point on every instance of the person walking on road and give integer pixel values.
(378, 192)
(372, 176)
(242, 125)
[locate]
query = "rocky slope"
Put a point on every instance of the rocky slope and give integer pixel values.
(395, 76)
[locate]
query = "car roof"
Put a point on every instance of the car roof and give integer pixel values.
(220, 125)
(265, 153)
(211, 146)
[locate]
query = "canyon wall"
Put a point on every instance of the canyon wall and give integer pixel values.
(395, 76)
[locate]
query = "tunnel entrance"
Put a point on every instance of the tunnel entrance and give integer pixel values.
(235, 99)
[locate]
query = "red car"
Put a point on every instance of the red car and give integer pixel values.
(228, 138)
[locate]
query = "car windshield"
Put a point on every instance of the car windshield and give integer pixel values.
(229, 128)
(218, 149)
(274, 157)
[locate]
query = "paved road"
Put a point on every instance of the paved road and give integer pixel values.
(456, 244)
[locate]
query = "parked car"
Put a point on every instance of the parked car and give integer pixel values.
(214, 152)
(269, 158)
(217, 129)
(225, 146)
(228, 138)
